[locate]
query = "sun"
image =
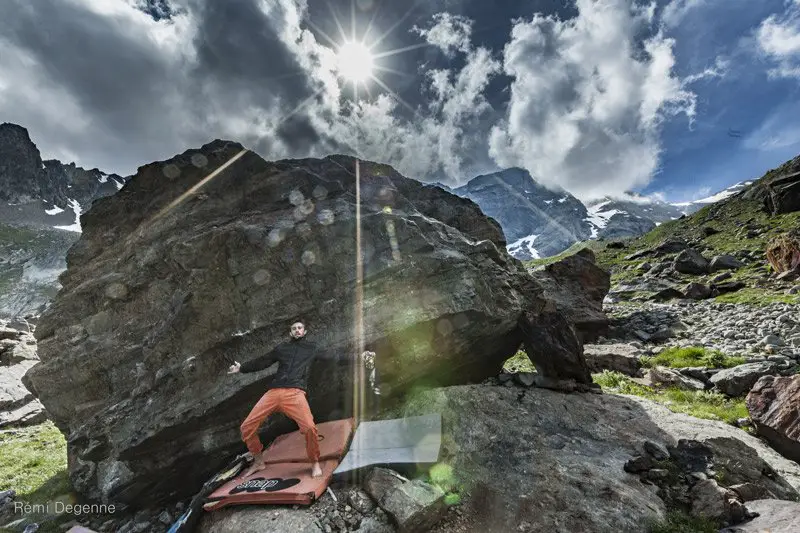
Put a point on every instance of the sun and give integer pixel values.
(355, 62)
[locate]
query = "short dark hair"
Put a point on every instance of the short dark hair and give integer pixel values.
(293, 322)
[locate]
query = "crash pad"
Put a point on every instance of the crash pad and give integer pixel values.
(333, 438)
(287, 477)
(409, 440)
(279, 483)
(80, 529)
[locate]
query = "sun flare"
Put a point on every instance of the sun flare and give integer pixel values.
(355, 62)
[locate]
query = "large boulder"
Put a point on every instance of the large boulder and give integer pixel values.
(690, 261)
(530, 462)
(783, 252)
(578, 286)
(738, 381)
(772, 404)
(207, 258)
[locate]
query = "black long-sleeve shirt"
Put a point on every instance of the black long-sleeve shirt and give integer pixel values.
(294, 358)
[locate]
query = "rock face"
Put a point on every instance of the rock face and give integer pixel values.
(18, 407)
(529, 463)
(578, 286)
(779, 189)
(194, 274)
(537, 221)
(773, 405)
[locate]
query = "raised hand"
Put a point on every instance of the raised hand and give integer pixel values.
(234, 368)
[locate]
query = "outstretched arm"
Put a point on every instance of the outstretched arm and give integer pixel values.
(259, 363)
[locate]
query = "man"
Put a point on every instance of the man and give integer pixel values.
(286, 394)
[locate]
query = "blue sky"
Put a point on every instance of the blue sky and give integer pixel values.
(596, 96)
(763, 108)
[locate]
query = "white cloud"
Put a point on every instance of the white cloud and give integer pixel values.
(450, 32)
(778, 38)
(586, 102)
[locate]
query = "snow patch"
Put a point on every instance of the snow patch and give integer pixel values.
(730, 191)
(562, 200)
(54, 211)
(103, 178)
(548, 202)
(598, 219)
(76, 226)
(524, 245)
(118, 183)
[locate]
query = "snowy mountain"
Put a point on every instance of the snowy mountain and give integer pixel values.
(40, 207)
(690, 207)
(537, 221)
(45, 194)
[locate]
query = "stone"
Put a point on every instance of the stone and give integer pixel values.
(724, 262)
(665, 294)
(578, 285)
(639, 464)
(750, 491)
(257, 519)
(690, 261)
(671, 246)
(656, 450)
(360, 501)
(697, 291)
(670, 377)
(209, 281)
(721, 277)
(738, 381)
(709, 500)
(774, 516)
(729, 286)
(526, 379)
(371, 524)
(783, 252)
(772, 404)
(415, 506)
(622, 358)
(545, 444)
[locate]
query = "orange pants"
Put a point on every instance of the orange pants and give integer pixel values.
(292, 403)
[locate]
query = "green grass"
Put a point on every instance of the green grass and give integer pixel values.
(680, 522)
(728, 217)
(519, 362)
(754, 296)
(675, 357)
(700, 404)
(33, 462)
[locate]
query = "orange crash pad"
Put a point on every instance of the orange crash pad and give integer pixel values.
(287, 477)
(282, 483)
(334, 436)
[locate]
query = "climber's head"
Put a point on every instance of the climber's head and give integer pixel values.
(297, 330)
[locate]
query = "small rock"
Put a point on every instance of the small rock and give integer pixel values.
(655, 450)
(638, 464)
